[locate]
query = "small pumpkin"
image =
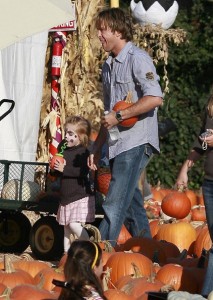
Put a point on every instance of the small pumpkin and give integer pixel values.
(176, 205)
(56, 157)
(177, 276)
(199, 213)
(103, 181)
(122, 105)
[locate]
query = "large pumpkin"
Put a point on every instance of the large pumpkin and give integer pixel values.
(122, 264)
(182, 234)
(122, 105)
(176, 204)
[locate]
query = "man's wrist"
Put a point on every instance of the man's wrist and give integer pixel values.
(118, 116)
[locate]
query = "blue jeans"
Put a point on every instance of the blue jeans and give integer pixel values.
(124, 200)
(208, 200)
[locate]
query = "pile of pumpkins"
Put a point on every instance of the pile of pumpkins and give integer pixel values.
(175, 257)
(173, 261)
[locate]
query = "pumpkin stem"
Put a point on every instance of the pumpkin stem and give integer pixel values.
(137, 272)
(129, 97)
(8, 266)
(94, 230)
(6, 294)
(167, 288)
(151, 277)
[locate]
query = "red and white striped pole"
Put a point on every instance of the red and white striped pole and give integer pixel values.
(58, 45)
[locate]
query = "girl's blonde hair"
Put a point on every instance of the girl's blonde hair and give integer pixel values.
(83, 128)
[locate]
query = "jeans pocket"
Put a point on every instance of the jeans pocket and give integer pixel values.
(148, 150)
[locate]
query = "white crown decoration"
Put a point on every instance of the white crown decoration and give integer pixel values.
(162, 12)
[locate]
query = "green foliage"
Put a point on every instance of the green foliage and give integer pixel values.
(190, 74)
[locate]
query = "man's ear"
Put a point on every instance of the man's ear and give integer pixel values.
(117, 34)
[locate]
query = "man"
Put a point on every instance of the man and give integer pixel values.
(128, 69)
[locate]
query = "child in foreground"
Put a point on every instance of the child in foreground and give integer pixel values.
(82, 270)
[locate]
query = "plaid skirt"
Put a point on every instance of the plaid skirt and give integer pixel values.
(82, 210)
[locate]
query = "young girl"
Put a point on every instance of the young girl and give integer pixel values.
(77, 204)
(82, 270)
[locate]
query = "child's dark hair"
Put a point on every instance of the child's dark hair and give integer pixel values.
(117, 20)
(78, 270)
(83, 128)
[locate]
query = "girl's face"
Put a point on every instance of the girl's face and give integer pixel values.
(71, 136)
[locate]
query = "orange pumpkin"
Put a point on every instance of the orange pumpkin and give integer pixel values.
(203, 241)
(122, 105)
(115, 294)
(192, 196)
(176, 204)
(11, 277)
(199, 213)
(157, 195)
(146, 246)
(138, 286)
(122, 263)
(182, 234)
(124, 235)
(32, 292)
(181, 278)
(56, 157)
(46, 276)
(103, 181)
(30, 266)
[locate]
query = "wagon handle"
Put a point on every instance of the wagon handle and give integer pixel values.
(9, 110)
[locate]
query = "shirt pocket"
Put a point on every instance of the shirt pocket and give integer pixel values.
(124, 84)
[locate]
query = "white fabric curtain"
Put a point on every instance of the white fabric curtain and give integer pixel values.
(21, 79)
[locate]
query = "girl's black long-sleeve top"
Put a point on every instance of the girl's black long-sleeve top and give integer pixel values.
(75, 180)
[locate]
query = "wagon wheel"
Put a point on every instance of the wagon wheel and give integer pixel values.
(14, 232)
(46, 239)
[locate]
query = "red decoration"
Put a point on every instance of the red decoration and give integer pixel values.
(56, 58)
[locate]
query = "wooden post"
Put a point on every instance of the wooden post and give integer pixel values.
(114, 3)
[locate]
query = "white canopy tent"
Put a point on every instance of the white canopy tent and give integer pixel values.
(24, 34)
